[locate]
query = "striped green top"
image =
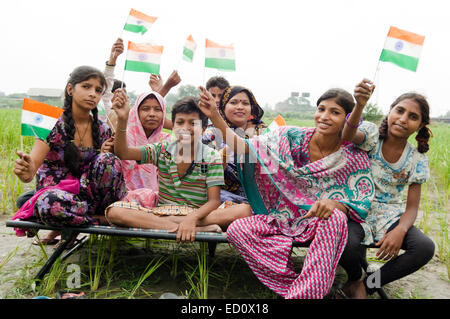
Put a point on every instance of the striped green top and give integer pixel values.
(191, 189)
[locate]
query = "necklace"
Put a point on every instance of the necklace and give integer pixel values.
(84, 134)
(320, 149)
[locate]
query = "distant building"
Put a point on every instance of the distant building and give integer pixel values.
(49, 96)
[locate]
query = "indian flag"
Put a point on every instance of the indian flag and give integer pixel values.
(189, 49)
(142, 57)
(138, 22)
(38, 118)
(276, 123)
(402, 48)
(219, 56)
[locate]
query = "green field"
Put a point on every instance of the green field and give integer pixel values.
(111, 278)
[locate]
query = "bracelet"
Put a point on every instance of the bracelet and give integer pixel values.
(119, 129)
(109, 64)
(352, 126)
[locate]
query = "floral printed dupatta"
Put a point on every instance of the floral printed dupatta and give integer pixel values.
(280, 181)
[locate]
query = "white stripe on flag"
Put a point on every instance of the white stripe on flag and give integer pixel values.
(219, 53)
(403, 47)
(144, 57)
(39, 120)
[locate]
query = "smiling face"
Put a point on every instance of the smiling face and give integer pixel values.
(404, 119)
(86, 94)
(150, 114)
(187, 128)
(329, 117)
(238, 109)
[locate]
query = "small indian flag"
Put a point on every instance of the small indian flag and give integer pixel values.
(138, 22)
(276, 123)
(219, 56)
(142, 57)
(38, 119)
(402, 48)
(189, 49)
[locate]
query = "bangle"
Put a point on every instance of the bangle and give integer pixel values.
(351, 125)
(109, 64)
(119, 129)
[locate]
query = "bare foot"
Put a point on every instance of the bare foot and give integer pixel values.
(209, 228)
(355, 289)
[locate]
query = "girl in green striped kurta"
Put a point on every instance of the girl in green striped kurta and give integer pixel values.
(190, 175)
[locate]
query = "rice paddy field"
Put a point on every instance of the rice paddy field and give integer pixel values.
(112, 267)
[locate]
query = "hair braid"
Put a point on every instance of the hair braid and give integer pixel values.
(383, 129)
(71, 154)
(96, 130)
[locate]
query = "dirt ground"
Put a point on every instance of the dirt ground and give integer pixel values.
(430, 282)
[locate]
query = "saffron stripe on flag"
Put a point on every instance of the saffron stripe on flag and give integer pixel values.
(406, 35)
(401, 60)
(142, 67)
(42, 108)
(142, 16)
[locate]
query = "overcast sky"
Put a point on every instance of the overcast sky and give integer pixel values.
(281, 46)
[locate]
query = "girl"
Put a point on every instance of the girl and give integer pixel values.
(241, 112)
(76, 176)
(301, 183)
(396, 165)
(145, 125)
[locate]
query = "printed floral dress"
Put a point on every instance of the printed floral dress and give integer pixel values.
(101, 182)
(390, 181)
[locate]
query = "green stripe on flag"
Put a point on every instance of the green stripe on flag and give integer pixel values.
(404, 61)
(188, 55)
(142, 67)
(31, 130)
(135, 28)
(221, 64)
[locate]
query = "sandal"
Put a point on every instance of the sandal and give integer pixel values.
(46, 241)
(73, 242)
(70, 295)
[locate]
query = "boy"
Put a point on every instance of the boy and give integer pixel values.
(190, 174)
(216, 85)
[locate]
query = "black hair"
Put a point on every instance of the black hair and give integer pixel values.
(341, 97)
(218, 81)
(423, 135)
(117, 85)
(188, 105)
(71, 153)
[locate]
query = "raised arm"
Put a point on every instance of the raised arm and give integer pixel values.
(362, 93)
(208, 106)
(121, 106)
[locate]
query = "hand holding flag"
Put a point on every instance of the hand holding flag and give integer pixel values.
(24, 167)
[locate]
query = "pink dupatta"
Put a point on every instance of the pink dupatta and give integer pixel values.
(142, 180)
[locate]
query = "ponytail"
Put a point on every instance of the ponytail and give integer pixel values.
(422, 139)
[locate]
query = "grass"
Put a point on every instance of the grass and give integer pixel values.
(114, 267)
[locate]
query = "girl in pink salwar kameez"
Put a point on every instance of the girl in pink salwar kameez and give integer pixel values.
(302, 184)
(145, 125)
